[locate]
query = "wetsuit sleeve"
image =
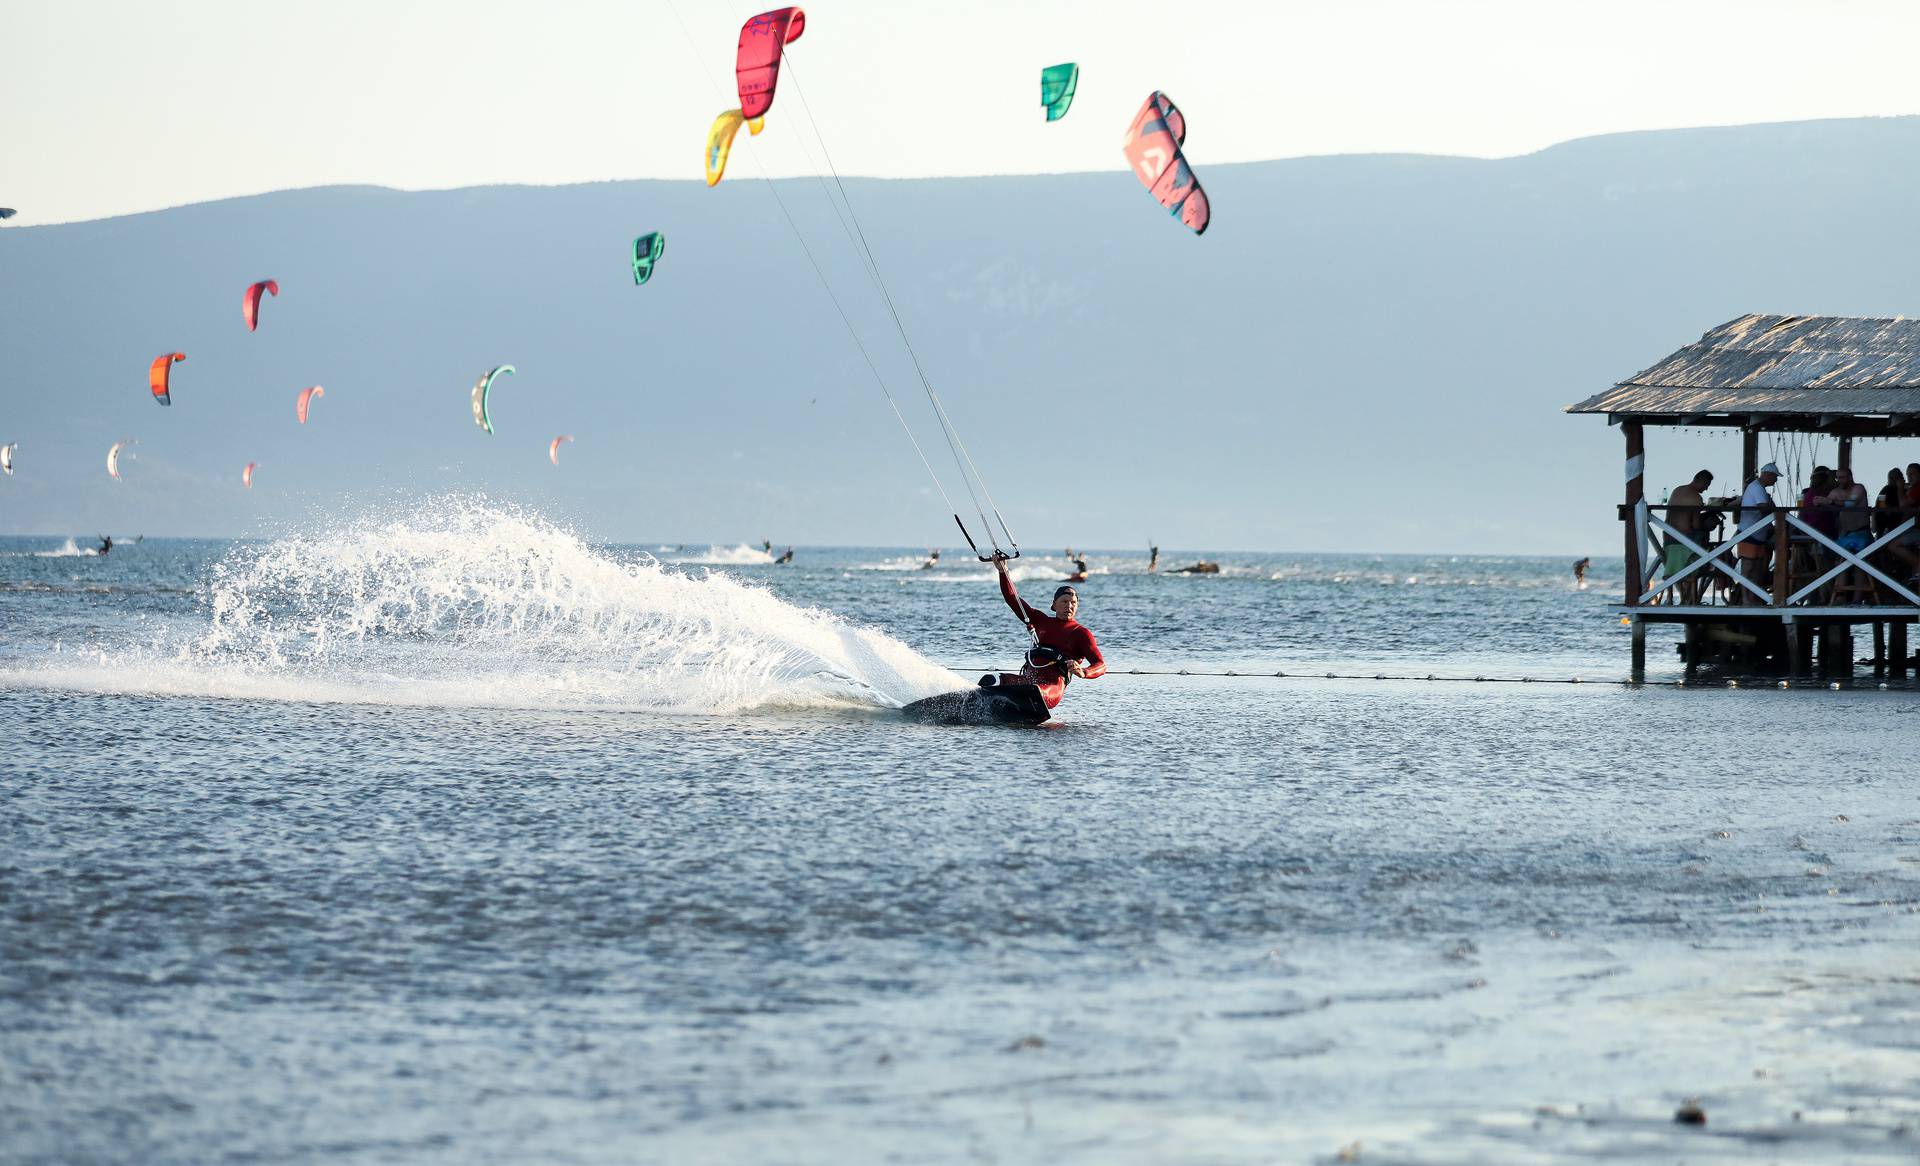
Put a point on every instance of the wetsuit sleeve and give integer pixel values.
(1020, 607)
(1096, 663)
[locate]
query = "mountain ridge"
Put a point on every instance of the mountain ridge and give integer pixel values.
(1365, 353)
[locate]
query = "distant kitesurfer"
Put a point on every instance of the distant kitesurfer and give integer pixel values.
(766, 546)
(1079, 574)
(1580, 571)
(933, 560)
(1153, 559)
(106, 545)
(785, 559)
(1063, 647)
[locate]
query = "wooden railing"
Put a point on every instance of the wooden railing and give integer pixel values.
(1788, 529)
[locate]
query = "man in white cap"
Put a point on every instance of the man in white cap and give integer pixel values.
(1756, 549)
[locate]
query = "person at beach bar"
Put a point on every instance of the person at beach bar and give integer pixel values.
(1066, 644)
(1814, 510)
(1891, 498)
(1686, 513)
(1756, 549)
(1907, 548)
(1852, 517)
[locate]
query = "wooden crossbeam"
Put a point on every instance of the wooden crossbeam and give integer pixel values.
(1851, 560)
(1712, 558)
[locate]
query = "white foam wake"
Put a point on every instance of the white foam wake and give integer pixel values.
(734, 556)
(68, 550)
(467, 603)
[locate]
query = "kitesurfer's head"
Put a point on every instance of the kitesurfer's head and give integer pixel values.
(1066, 601)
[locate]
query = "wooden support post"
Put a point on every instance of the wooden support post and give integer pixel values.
(1639, 649)
(1779, 559)
(1749, 455)
(1794, 640)
(1879, 648)
(1897, 649)
(1846, 454)
(1636, 528)
(1690, 651)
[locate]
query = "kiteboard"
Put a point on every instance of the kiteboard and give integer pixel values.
(1003, 704)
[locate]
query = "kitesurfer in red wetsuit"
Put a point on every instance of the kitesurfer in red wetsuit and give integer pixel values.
(1064, 647)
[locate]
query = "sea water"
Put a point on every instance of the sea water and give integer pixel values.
(455, 836)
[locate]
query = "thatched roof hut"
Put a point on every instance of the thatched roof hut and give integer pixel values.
(1842, 375)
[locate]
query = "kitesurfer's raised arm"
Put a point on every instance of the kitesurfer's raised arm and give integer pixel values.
(1027, 612)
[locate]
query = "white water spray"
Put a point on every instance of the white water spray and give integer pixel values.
(467, 603)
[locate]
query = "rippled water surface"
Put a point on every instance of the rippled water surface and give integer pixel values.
(463, 839)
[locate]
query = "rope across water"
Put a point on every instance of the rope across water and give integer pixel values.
(1282, 674)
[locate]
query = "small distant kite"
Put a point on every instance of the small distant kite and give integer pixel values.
(1057, 85)
(756, 68)
(647, 250)
(160, 376)
(483, 394)
(306, 395)
(113, 459)
(553, 448)
(720, 137)
(246, 475)
(6, 457)
(1153, 146)
(250, 302)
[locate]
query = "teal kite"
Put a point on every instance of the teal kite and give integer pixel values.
(647, 250)
(1057, 84)
(483, 394)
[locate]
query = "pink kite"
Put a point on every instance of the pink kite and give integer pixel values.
(1153, 146)
(757, 69)
(246, 475)
(300, 405)
(250, 303)
(553, 449)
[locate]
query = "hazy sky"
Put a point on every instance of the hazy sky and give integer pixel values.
(115, 106)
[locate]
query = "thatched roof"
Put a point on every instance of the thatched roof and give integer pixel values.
(1830, 373)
